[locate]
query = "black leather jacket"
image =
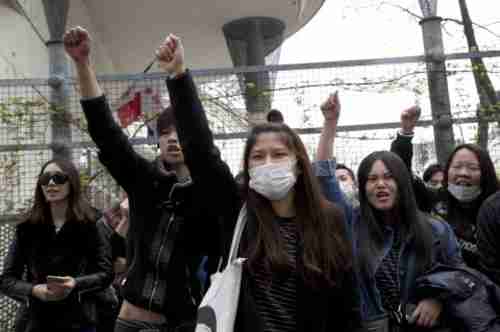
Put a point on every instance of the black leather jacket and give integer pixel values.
(78, 250)
(172, 224)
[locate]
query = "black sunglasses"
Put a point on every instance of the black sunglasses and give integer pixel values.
(56, 177)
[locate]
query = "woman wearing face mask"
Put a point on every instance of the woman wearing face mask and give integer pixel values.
(393, 242)
(66, 258)
(299, 272)
(470, 178)
(298, 275)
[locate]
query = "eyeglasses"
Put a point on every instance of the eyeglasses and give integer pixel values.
(56, 177)
(468, 167)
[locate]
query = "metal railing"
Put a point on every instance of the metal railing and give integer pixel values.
(368, 122)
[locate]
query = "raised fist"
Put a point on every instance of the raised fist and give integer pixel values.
(170, 55)
(409, 118)
(77, 45)
(331, 107)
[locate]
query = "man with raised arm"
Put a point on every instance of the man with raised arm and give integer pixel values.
(171, 220)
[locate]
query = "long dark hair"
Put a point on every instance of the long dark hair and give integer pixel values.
(325, 254)
(78, 208)
(410, 220)
(489, 182)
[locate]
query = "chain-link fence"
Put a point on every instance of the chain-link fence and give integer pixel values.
(372, 94)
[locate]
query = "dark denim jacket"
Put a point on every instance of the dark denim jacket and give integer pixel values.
(445, 247)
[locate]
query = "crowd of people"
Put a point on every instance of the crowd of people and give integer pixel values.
(325, 249)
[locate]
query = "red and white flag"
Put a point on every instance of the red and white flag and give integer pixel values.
(130, 109)
(139, 103)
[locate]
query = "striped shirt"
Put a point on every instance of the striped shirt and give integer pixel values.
(387, 275)
(276, 296)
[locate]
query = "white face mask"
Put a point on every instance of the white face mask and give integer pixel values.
(350, 192)
(273, 180)
(464, 194)
(433, 187)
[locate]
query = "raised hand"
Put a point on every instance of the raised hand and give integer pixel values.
(331, 111)
(331, 107)
(409, 118)
(77, 45)
(170, 55)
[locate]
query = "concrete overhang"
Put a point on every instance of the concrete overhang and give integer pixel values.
(130, 30)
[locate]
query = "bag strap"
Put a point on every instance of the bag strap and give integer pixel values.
(238, 231)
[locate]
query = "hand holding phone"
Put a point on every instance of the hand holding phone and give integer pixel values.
(61, 285)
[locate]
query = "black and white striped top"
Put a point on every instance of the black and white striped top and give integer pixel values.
(387, 275)
(276, 296)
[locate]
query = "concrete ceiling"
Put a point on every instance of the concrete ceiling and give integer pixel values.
(130, 30)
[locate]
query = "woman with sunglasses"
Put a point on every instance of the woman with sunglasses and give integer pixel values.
(66, 258)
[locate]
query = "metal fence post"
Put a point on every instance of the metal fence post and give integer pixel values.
(438, 87)
(59, 71)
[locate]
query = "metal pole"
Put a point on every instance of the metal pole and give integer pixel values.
(249, 41)
(438, 87)
(256, 83)
(59, 71)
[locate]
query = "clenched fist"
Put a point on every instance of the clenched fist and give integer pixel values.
(331, 107)
(77, 45)
(170, 55)
(409, 118)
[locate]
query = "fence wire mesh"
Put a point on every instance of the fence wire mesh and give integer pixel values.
(372, 94)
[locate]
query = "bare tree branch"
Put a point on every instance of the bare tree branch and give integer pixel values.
(406, 10)
(449, 19)
(492, 23)
(454, 20)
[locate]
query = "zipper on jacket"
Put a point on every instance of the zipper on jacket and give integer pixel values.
(157, 265)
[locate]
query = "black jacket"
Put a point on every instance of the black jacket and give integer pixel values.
(488, 237)
(319, 310)
(461, 217)
(78, 250)
(171, 222)
(107, 299)
(471, 300)
(402, 146)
